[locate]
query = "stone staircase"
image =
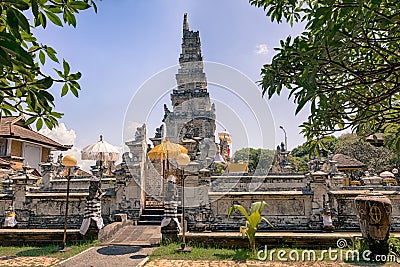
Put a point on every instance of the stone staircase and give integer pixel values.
(151, 216)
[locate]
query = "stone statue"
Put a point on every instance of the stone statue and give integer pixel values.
(159, 132)
(93, 206)
(140, 133)
(59, 158)
(9, 220)
(50, 158)
(166, 112)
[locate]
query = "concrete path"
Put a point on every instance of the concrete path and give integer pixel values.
(128, 247)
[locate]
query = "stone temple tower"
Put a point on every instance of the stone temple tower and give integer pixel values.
(193, 115)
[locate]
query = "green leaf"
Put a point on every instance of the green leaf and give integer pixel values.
(51, 53)
(20, 4)
(79, 5)
(257, 206)
(23, 22)
(64, 90)
(75, 76)
(94, 6)
(69, 18)
(8, 37)
(30, 120)
(48, 123)
(54, 9)
(19, 52)
(5, 58)
(47, 95)
(42, 19)
(66, 68)
(42, 57)
(35, 8)
(73, 90)
(28, 37)
(254, 220)
(31, 99)
(56, 114)
(75, 84)
(239, 208)
(264, 219)
(44, 83)
(12, 22)
(54, 18)
(39, 124)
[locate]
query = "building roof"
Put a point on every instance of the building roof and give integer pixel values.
(14, 127)
(347, 162)
(376, 139)
(238, 167)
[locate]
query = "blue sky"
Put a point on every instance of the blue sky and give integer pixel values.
(128, 41)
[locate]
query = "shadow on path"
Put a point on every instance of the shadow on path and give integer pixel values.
(138, 257)
(118, 250)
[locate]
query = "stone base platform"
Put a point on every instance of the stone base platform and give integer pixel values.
(18, 237)
(320, 240)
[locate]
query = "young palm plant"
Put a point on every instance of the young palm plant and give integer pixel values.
(252, 221)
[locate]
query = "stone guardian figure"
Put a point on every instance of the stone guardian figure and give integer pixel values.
(93, 206)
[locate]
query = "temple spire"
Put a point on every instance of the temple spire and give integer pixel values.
(185, 22)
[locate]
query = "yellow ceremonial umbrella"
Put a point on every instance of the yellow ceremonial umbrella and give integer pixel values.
(166, 150)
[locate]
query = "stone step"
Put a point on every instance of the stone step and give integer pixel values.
(151, 217)
(153, 211)
(145, 222)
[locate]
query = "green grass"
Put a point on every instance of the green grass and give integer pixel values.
(47, 251)
(200, 253)
(242, 255)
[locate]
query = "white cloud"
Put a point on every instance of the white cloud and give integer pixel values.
(67, 137)
(261, 49)
(60, 134)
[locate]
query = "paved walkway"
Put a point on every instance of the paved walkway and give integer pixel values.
(127, 248)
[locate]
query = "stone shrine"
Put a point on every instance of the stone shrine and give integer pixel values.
(193, 115)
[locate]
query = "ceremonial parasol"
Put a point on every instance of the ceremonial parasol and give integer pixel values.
(166, 150)
(386, 174)
(101, 151)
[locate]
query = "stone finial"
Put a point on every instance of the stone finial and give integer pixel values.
(140, 133)
(185, 22)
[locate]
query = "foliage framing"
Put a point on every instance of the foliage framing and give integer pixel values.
(345, 65)
(252, 221)
(24, 87)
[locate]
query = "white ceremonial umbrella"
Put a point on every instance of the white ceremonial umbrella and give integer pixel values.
(386, 174)
(101, 150)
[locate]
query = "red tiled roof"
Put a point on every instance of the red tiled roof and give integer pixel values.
(344, 161)
(9, 129)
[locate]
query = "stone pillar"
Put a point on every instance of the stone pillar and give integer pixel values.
(320, 199)
(374, 213)
(20, 191)
(48, 172)
(137, 164)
